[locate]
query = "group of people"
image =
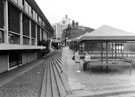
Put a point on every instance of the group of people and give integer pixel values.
(86, 60)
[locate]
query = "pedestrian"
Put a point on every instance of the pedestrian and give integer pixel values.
(87, 59)
(77, 60)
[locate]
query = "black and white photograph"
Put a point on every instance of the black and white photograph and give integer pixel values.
(67, 48)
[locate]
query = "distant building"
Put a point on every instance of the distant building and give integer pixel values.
(22, 26)
(60, 27)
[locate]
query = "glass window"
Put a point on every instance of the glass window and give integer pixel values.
(20, 3)
(1, 14)
(15, 58)
(25, 25)
(33, 42)
(33, 32)
(1, 36)
(14, 19)
(30, 12)
(36, 17)
(26, 6)
(25, 41)
(14, 39)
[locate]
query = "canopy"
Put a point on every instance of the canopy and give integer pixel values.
(108, 33)
(79, 37)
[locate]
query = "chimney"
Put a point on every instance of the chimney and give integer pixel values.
(77, 24)
(66, 16)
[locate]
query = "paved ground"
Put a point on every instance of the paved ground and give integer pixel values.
(100, 83)
(26, 81)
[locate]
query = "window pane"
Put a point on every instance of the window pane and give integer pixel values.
(33, 32)
(33, 42)
(14, 39)
(20, 3)
(26, 41)
(38, 33)
(1, 14)
(1, 36)
(15, 58)
(25, 25)
(14, 19)
(26, 7)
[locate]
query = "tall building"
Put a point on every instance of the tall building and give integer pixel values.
(22, 26)
(61, 26)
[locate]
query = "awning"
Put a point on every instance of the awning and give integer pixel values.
(108, 33)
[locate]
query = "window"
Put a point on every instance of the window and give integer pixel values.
(38, 33)
(1, 14)
(25, 40)
(30, 11)
(25, 25)
(36, 17)
(20, 3)
(26, 6)
(1, 36)
(15, 58)
(14, 19)
(33, 42)
(33, 32)
(14, 39)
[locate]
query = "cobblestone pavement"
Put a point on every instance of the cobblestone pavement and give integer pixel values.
(26, 85)
(99, 84)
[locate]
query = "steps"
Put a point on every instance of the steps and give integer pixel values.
(54, 81)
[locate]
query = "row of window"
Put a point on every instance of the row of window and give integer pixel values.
(28, 9)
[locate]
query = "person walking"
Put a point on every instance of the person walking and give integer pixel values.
(87, 59)
(77, 60)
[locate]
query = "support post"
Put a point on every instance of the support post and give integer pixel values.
(21, 29)
(6, 21)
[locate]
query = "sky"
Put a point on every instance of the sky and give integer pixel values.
(92, 13)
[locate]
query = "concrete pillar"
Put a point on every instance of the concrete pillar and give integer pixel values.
(21, 29)
(40, 34)
(30, 32)
(36, 35)
(6, 21)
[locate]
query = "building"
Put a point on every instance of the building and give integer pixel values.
(60, 27)
(22, 26)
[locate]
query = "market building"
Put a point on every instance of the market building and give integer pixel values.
(107, 44)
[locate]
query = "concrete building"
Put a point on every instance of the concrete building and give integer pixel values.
(22, 26)
(59, 27)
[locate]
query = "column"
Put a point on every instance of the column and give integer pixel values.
(21, 29)
(30, 32)
(36, 35)
(6, 21)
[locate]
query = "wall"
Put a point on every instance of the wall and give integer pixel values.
(28, 57)
(3, 63)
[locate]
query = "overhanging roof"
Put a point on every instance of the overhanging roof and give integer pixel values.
(79, 37)
(108, 33)
(19, 47)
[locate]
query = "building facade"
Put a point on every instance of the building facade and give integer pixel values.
(60, 27)
(22, 26)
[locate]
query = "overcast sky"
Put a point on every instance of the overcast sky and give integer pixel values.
(92, 13)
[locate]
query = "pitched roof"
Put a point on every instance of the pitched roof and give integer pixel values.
(109, 33)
